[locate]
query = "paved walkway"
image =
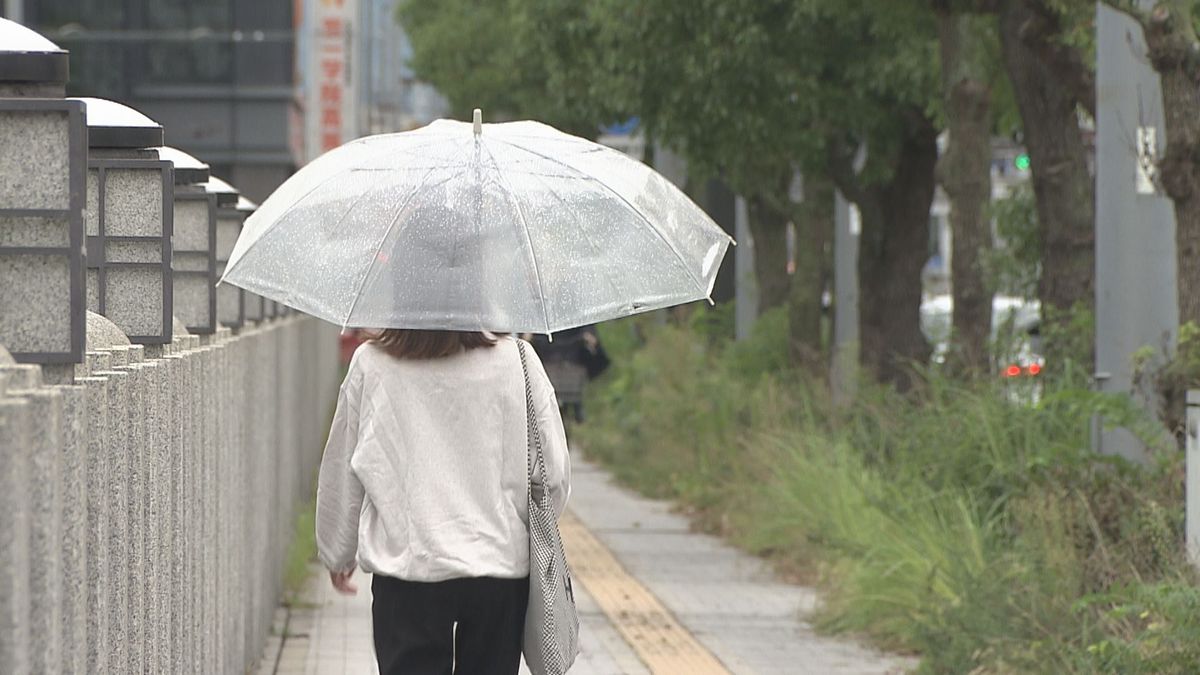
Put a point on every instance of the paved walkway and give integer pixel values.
(653, 597)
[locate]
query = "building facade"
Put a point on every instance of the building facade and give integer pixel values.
(217, 74)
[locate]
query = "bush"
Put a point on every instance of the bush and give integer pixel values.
(1151, 628)
(957, 521)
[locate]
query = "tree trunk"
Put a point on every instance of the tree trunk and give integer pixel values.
(1062, 184)
(893, 249)
(965, 174)
(768, 225)
(1175, 54)
(814, 232)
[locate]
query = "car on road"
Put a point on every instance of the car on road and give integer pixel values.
(1015, 335)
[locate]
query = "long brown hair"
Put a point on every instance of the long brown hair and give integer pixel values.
(405, 343)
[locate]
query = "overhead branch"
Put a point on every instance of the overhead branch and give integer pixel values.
(1042, 33)
(1171, 40)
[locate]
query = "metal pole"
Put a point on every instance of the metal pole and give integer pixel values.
(14, 10)
(1136, 283)
(1192, 486)
(847, 226)
(746, 286)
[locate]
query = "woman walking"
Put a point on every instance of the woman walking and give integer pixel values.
(424, 483)
(512, 227)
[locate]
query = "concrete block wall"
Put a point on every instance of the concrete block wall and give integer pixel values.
(146, 509)
(148, 491)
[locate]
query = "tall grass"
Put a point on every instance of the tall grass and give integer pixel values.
(302, 551)
(960, 522)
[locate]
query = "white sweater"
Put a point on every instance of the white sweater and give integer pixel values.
(424, 474)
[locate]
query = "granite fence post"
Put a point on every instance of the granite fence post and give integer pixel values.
(270, 467)
(252, 484)
(227, 490)
(45, 582)
(181, 414)
(282, 440)
(16, 532)
(42, 170)
(265, 451)
(200, 503)
(211, 411)
(171, 462)
(133, 472)
(241, 564)
(129, 223)
(73, 446)
(95, 484)
(220, 492)
(146, 457)
(115, 493)
(192, 506)
(161, 506)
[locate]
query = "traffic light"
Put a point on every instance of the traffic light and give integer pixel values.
(1021, 161)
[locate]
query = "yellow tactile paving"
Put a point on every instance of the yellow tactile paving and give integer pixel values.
(651, 631)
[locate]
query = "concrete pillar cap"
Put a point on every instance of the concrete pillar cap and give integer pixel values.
(116, 125)
(26, 56)
(188, 169)
(103, 334)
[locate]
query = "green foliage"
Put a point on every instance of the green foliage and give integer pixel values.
(1169, 374)
(1152, 629)
(766, 350)
(302, 551)
(957, 521)
(743, 88)
(1013, 267)
(1067, 337)
(488, 54)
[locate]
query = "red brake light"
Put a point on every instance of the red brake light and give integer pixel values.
(1034, 369)
(1012, 371)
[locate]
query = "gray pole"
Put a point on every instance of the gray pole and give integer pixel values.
(844, 370)
(746, 293)
(1192, 486)
(1135, 225)
(14, 10)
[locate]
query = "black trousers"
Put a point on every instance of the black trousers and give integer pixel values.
(469, 626)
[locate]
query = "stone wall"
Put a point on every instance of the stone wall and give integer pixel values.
(146, 509)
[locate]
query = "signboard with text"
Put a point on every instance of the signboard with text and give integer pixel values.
(331, 111)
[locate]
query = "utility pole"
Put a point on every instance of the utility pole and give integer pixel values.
(1136, 283)
(746, 288)
(844, 371)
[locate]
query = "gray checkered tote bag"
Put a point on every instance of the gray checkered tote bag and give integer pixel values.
(551, 640)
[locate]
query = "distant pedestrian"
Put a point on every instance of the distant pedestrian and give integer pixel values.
(424, 484)
(572, 358)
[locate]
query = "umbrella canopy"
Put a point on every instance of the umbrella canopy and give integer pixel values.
(513, 227)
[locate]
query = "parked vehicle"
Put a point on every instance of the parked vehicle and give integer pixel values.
(1015, 336)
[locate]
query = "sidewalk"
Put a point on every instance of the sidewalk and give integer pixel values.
(649, 591)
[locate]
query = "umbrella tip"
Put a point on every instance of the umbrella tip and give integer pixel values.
(477, 120)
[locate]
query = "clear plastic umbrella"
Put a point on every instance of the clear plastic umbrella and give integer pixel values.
(513, 227)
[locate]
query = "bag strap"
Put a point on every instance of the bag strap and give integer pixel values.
(534, 458)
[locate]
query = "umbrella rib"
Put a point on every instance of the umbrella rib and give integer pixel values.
(537, 272)
(291, 207)
(678, 257)
(379, 247)
(345, 215)
(611, 283)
